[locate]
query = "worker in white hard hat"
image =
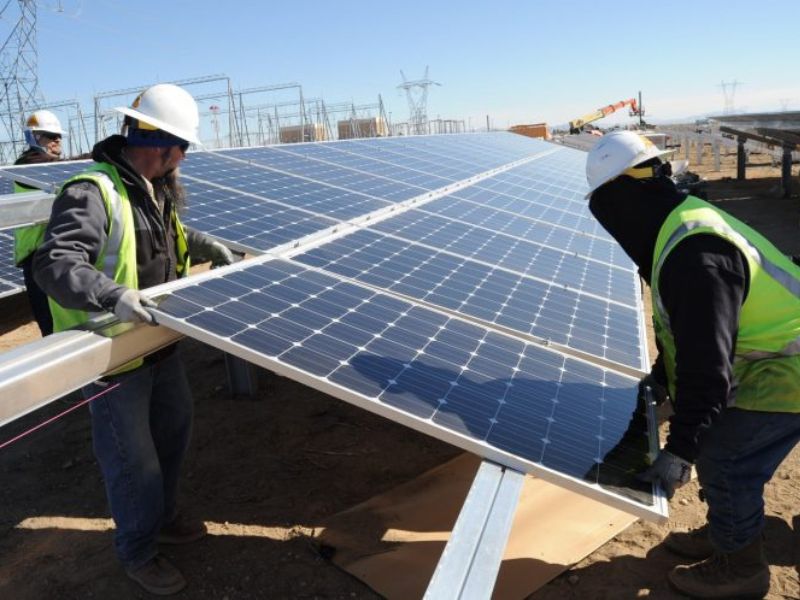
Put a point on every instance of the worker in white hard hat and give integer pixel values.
(115, 230)
(43, 135)
(726, 312)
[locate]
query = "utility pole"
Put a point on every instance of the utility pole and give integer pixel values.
(640, 111)
(729, 93)
(417, 95)
(19, 79)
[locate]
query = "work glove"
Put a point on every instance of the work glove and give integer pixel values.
(219, 254)
(668, 470)
(132, 308)
(658, 392)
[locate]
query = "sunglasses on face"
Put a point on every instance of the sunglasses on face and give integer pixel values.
(56, 137)
(184, 147)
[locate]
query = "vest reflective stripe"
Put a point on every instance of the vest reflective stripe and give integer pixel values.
(767, 354)
(26, 239)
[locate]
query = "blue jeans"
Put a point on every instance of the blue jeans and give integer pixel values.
(738, 455)
(141, 432)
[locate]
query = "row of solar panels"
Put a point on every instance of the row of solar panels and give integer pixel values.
(428, 310)
(518, 250)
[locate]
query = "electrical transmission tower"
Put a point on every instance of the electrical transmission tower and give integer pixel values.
(729, 93)
(19, 77)
(417, 94)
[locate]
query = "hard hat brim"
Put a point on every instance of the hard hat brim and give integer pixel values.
(184, 135)
(57, 130)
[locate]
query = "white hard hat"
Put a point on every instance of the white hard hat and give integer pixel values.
(44, 120)
(168, 108)
(615, 153)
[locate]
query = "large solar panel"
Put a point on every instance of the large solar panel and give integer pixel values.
(522, 405)
(473, 312)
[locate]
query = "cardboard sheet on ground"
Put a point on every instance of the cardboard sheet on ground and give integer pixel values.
(393, 542)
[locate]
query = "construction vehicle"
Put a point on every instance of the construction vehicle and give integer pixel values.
(577, 125)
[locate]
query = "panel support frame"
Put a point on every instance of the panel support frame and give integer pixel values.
(471, 559)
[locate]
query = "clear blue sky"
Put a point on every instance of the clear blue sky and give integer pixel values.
(516, 61)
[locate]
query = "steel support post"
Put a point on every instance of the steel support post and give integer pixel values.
(700, 145)
(470, 561)
(741, 159)
(786, 171)
(242, 376)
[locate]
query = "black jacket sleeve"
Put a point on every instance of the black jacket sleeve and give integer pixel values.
(703, 285)
(64, 263)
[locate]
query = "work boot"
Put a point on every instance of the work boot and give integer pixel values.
(741, 574)
(158, 576)
(182, 530)
(694, 544)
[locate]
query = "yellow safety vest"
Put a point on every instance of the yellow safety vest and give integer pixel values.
(26, 239)
(766, 365)
(118, 257)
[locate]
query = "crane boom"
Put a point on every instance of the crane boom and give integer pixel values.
(576, 125)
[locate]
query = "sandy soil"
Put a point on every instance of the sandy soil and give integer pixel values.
(264, 471)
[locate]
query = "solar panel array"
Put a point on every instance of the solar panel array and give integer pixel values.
(420, 278)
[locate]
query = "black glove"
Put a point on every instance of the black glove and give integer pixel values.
(670, 471)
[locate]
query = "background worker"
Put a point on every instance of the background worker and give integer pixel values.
(43, 135)
(726, 308)
(115, 230)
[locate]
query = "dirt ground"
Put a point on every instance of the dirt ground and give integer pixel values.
(263, 471)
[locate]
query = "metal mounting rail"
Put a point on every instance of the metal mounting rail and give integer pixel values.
(25, 209)
(42, 371)
(470, 561)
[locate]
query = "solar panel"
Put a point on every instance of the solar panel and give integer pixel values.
(433, 312)
(556, 254)
(331, 174)
(337, 154)
(494, 295)
(524, 406)
(245, 220)
(49, 175)
(11, 280)
(298, 192)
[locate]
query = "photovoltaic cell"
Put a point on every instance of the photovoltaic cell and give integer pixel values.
(521, 405)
